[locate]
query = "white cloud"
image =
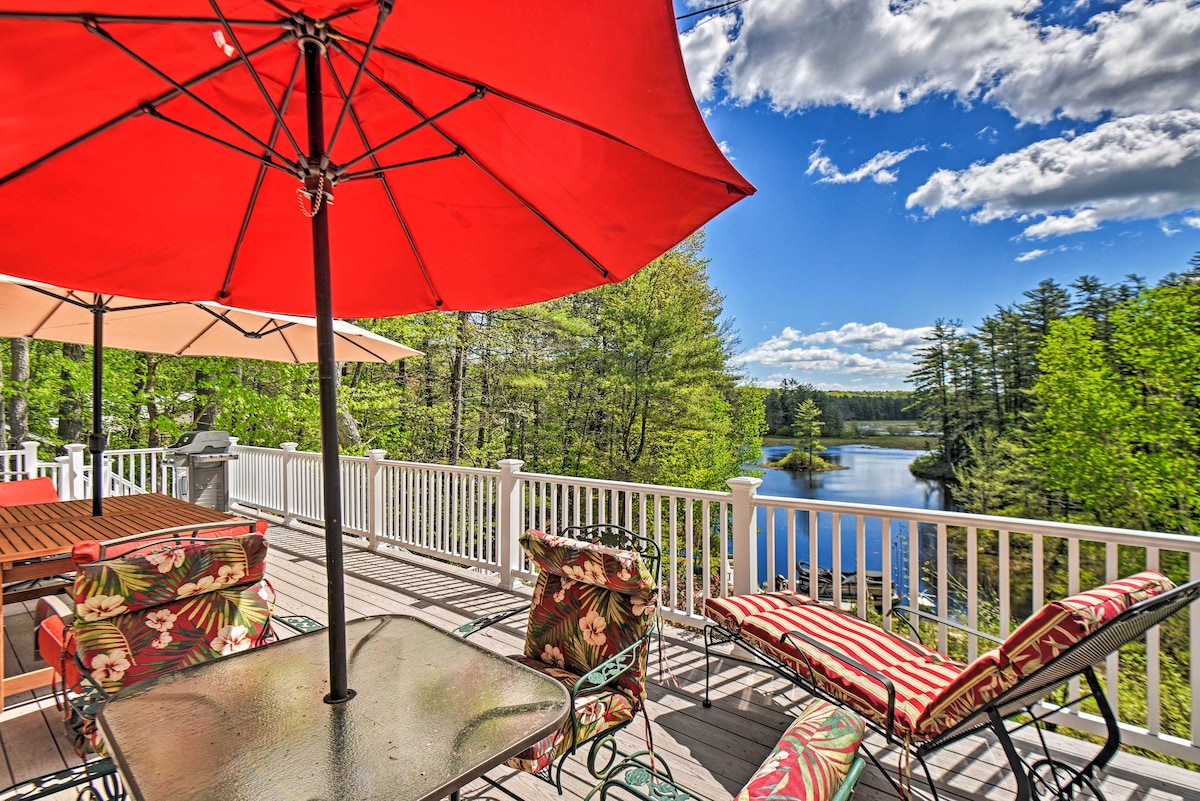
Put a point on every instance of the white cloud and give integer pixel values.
(875, 350)
(882, 55)
(1030, 255)
(1167, 229)
(877, 168)
(1193, 222)
(1137, 167)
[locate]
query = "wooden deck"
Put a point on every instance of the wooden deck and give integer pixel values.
(713, 751)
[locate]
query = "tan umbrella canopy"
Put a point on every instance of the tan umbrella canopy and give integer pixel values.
(42, 311)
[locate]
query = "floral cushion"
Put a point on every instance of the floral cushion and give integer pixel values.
(596, 712)
(729, 613)
(811, 759)
(581, 615)
(178, 605)
(590, 563)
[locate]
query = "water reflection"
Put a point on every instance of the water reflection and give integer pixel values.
(878, 476)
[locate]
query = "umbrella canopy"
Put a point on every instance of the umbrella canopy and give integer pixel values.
(41, 311)
(476, 155)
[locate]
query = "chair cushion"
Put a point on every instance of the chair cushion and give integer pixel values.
(29, 490)
(176, 570)
(919, 674)
(729, 613)
(590, 563)
(596, 712)
(1057, 626)
(88, 551)
(811, 759)
(590, 603)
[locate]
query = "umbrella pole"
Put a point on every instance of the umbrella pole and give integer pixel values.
(331, 468)
(96, 438)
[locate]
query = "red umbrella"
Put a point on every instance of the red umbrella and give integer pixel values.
(457, 154)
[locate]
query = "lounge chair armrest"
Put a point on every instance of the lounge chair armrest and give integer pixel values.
(883, 680)
(906, 611)
(490, 619)
(610, 669)
(847, 789)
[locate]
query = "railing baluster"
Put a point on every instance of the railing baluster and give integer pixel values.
(943, 580)
(972, 591)
(1153, 666)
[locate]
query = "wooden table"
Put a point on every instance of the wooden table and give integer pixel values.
(36, 541)
(431, 712)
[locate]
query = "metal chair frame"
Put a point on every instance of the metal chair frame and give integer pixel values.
(601, 675)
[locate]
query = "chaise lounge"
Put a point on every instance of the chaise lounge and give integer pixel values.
(914, 695)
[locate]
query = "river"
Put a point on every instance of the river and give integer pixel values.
(871, 475)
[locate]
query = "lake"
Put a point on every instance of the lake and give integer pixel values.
(872, 475)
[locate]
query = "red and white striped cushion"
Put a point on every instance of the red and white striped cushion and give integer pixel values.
(729, 613)
(919, 674)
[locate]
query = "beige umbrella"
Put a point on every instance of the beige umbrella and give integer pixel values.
(43, 311)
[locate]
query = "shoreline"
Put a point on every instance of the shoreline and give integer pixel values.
(901, 441)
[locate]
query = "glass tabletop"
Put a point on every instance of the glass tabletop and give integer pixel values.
(431, 712)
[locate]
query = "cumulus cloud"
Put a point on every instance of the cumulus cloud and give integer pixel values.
(882, 55)
(1192, 222)
(874, 350)
(1137, 167)
(877, 168)
(1030, 255)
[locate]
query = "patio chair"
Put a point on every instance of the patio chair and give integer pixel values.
(28, 490)
(925, 700)
(144, 605)
(589, 626)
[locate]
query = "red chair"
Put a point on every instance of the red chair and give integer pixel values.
(29, 490)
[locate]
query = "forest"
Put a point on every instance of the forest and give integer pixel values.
(1077, 403)
(838, 409)
(631, 382)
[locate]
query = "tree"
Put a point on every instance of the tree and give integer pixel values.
(807, 428)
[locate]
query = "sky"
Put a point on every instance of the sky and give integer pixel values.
(920, 160)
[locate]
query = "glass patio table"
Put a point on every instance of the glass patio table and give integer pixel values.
(431, 712)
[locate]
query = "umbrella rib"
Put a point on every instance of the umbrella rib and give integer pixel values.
(540, 110)
(425, 121)
(385, 9)
(265, 160)
(35, 16)
(258, 182)
(101, 32)
(359, 346)
(141, 109)
(528, 206)
(379, 169)
(257, 79)
(387, 189)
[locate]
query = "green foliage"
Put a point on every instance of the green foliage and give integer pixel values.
(629, 381)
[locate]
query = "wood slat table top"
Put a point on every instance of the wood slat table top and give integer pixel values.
(38, 530)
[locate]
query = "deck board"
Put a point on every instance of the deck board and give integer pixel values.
(713, 751)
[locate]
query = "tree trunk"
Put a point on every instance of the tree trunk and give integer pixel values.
(70, 405)
(204, 411)
(348, 434)
(456, 386)
(18, 410)
(149, 388)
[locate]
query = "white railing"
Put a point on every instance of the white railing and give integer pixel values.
(988, 572)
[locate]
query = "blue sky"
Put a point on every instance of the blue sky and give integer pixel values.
(926, 159)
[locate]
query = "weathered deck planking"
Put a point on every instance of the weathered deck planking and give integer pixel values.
(712, 751)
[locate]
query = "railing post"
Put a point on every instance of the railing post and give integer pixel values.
(231, 472)
(30, 461)
(510, 509)
(375, 494)
(75, 488)
(745, 534)
(285, 480)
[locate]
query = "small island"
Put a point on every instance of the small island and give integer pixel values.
(801, 461)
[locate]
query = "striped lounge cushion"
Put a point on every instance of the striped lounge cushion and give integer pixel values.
(1043, 636)
(729, 613)
(919, 674)
(811, 759)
